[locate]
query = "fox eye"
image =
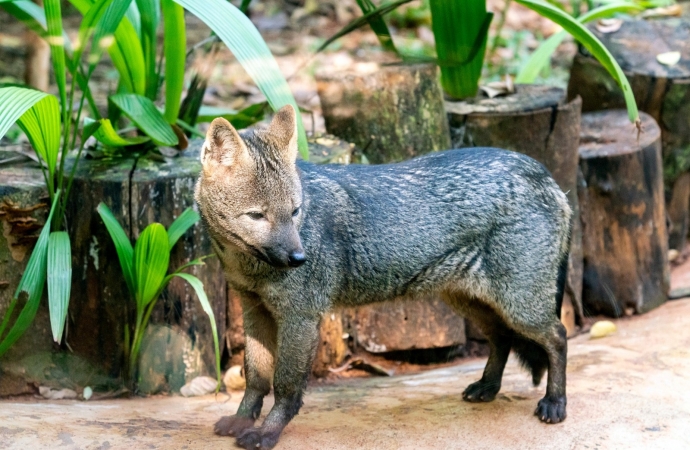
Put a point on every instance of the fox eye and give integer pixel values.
(295, 212)
(255, 215)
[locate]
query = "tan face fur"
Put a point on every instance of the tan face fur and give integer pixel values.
(249, 190)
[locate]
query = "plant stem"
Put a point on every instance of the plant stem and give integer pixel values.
(499, 28)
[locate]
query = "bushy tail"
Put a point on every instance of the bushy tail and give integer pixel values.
(532, 356)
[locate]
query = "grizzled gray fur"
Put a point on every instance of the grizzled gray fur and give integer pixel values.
(486, 229)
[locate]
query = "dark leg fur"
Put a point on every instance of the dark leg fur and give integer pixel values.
(532, 357)
(259, 355)
(297, 340)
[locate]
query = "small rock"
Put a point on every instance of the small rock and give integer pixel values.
(55, 394)
(234, 380)
(601, 329)
(673, 255)
(199, 386)
(88, 392)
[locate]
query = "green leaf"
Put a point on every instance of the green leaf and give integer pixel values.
(41, 123)
(203, 299)
(460, 49)
(89, 129)
(106, 135)
(378, 26)
(57, 48)
(30, 287)
(180, 226)
(123, 246)
(15, 102)
(150, 19)
(174, 48)
(542, 55)
(151, 259)
(592, 44)
(146, 117)
(59, 280)
(245, 42)
(383, 9)
(239, 119)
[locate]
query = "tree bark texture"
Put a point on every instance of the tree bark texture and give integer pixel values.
(661, 91)
(537, 122)
(625, 242)
(393, 113)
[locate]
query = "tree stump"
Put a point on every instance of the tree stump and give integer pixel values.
(624, 237)
(139, 191)
(537, 122)
(661, 91)
(23, 211)
(392, 112)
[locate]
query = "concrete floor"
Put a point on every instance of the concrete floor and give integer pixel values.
(626, 391)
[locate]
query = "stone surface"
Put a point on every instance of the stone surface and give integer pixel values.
(630, 390)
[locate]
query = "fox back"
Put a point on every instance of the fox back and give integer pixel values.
(486, 229)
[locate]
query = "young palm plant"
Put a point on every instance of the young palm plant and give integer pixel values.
(461, 29)
(127, 30)
(145, 270)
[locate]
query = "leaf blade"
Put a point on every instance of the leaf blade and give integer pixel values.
(41, 123)
(15, 102)
(184, 222)
(151, 258)
(146, 117)
(59, 269)
(174, 48)
(245, 42)
(123, 246)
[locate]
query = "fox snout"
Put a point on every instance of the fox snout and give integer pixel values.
(281, 258)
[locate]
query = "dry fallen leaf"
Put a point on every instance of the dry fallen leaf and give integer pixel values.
(609, 25)
(663, 11)
(199, 386)
(668, 58)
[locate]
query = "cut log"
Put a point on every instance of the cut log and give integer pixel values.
(661, 91)
(23, 211)
(624, 239)
(392, 113)
(139, 192)
(537, 122)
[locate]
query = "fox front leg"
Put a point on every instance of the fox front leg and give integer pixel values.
(260, 331)
(298, 337)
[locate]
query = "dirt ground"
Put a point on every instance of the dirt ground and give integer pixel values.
(630, 390)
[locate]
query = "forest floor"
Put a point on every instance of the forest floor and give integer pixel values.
(629, 390)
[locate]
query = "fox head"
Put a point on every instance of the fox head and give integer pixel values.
(249, 191)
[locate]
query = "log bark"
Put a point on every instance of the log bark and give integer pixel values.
(392, 113)
(661, 91)
(623, 219)
(537, 122)
(23, 211)
(139, 192)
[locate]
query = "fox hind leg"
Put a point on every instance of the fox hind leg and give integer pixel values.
(500, 341)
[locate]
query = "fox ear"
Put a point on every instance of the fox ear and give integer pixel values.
(283, 132)
(223, 145)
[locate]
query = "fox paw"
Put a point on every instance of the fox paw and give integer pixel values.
(232, 425)
(551, 410)
(481, 391)
(256, 438)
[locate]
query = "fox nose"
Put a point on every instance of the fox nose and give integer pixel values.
(296, 259)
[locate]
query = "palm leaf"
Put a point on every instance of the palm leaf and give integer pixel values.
(57, 48)
(203, 299)
(15, 102)
(378, 26)
(542, 55)
(592, 44)
(41, 123)
(59, 268)
(245, 42)
(180, 226)
(30, 287)
(150, 19)
(151, 258)
(146, 117)
(106, 135)
(123, 246)
(174, 48)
